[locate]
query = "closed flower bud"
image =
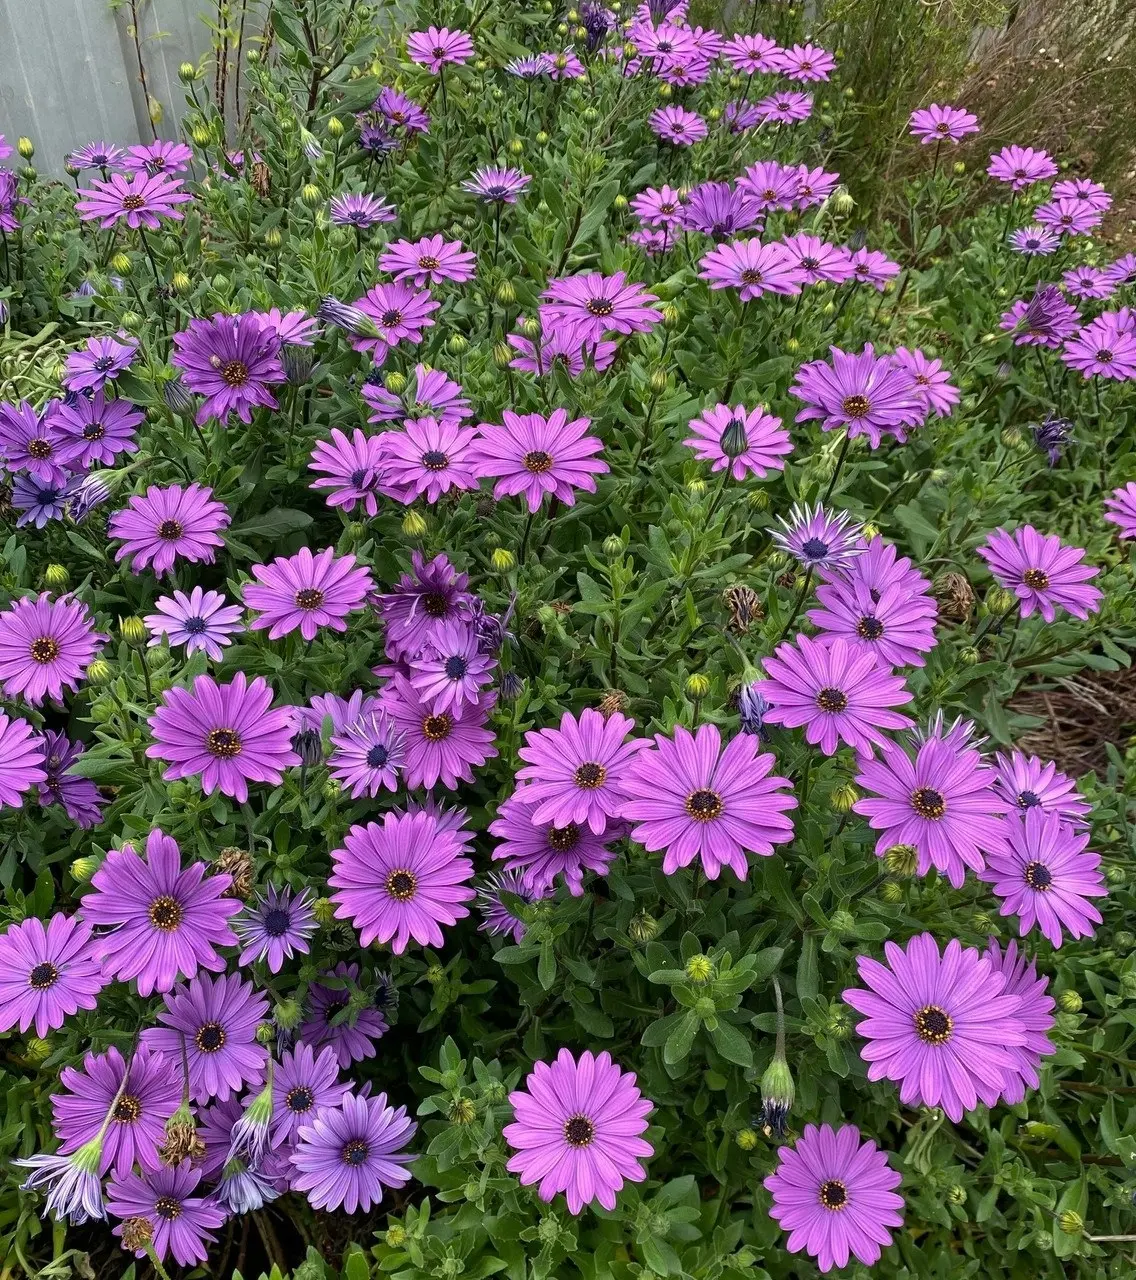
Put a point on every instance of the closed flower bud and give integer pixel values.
(642, 927)
(792, 346)
(414, 524)
(37, 1050)
(591, 115)
(297, 363)
(219, 283)
(1069, 1002)
(746, 1139)
(839, 1023)
(200, 135)
(274, 237)
(395, 383)
(132, 630)
(178, 397)
(844, 797)
(435, 974)
(613, 546)
(715, 113)
(530, 327)
(1012, 436)
(959, 167)
(512, 686)
(324, 910)
(131, 321)
(502, 355)
(265, 1033)
(506, 295)
(956, 1194)
(734, 441)
(659, 381)
(870, 530)
(457, 344)
(970, 656)
(55, 576)
(697, 686)
(335, 127)
(121, 264)
(562, 30)
(180, 282)
(900, 860)
(502, 560)
(288, 1014)
(26, 148)
(311, 195)
(619, 203)
(1123, 940)
(396, 1236)
(891, 892)
(1115, 875)
(696, 487)
(516, 147)
(630, 50)
(542, 138)
(1128, 984)
(1071, 1223)
(462, 1111)
(842, 922)
(187, 73)
(665, 92)
(999, 600)
(82, 869)
(700, 969)
(71, 170)
(757, 500)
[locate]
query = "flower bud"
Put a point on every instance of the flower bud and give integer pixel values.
(901, 860)
(506, 295)
(959, 167)
(502, 560)
(311, 195)
(956, 1194)
(792, 346)
(842, 921)
(132, 630)
(999, 600)
(335, 127)
(26, 148)
(1012, 437)
(131, 321)
(180, 282)
(56, 576)
(288, 1014)
(396, 1236)
(842, 200)
(696, 487)
(200, 135)
(414, 524)
(757, 500)
(458, 344)
(395, 383)
(82, 869)
(516, 147)
(970, 656)
(187, 73)
(178, 397)
(844, 797)
(697, 686)
(699, 969)
(777, 1094)
(891, 892)
(1069, 1002)
(659, 382)
(512, 686)
(562, 30)
(462, 1111)
(642, 927)
(1071, 1223)
(542, 138)
(665, 92)
(435, 974)
(613, 546)
(265, 1033)
(502, 355)
(1128, 985)
(121, 264)
(746, 1139)
(274, 237)
(839, 1023)
(1123, 940)
(870, 530)
(734, 441)
(219, 283)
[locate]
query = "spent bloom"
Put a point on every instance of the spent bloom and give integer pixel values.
(181, 1223)
(1043, 572)
(942, 123)
(70, 1185)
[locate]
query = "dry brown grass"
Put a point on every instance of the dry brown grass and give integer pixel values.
(1080, 715)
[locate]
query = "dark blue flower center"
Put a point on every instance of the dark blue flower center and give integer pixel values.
(456, 667)
(814, 549)
(1028, 799)
(355, 1152)
(377, 756)
(195, 626)
(103, 363)
(299, 1099)
(276, 922)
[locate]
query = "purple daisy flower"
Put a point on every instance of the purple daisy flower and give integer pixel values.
(943, 1027)
(1123, 271)
(432, 394)
(434, 48)
(1120, 509)
(451, 672)
(834, 1192)
(1021, 166)
(421, 602)
(682, 70)
(836, 692)
(771, 185)
(430, 260)
(696, 800)
(306, 591)
(367, 755)
(350, 469)
(1088, 282)
(159, 156)
(804, 62)
(942, 124)
(22, 763)
(137, 1129)
(530, 67)
(166, 921)
(215, 1020)
(1046, 877)
(201, 620)
(349, 1155)
(539, 851)
(867, 394)
(45, 644)
(741, 116)
(659, 207)
(1035, 240)
(78, 796)
(497, 917)
(33, 442)
(1068, 217)
(303, 1083)
(496, 185)
(164, 525)
(1035, 1013)
(743, 440)
(896, 624)
(70, 1185)
(400, 314)
(751, 54)
(534, 456)
(787, 107)
(1029, 783)
(443, 745)
(47, 973)
(361, 211)
(276, 927)
(752, 268)
(41, 501)
(428, 458)
(817, 260)
(560, 349)
(579, 772)
(138, 199)
(657, 41)
(869, 266)
(399, 879)
(1046, 320)
(593, 304)
(401, 112)
(227, 733)
(944, 804)
(1083, 189)
(1103, 348)
(231, 361)
(293, 328)
(564, 66)
(182, 1223)
(1042, 572)
(96, 155)
(931, 383)
(100, 362)
(576, 1129)
(96, 430)
(718, 211)
(814, 186)
(349, 1031)
(677, 125)
(819, 539)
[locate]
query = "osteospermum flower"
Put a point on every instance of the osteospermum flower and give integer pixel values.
(429, 458)
(751, 54)
(1120, 509)
(743, 440)
(1046, 877)
(304, 1082)
(693, 799)
(349, 1155)
(1102, 348)
(159, 156)
(227, 733)
(814, 186)
(579, 771)
(232, 361)
(1067, 216)
(1046, 320)
(430, 260)
(836, 692)
(535, 456)
(421, 601)
(100, 361)
(896, 624)
(367, 755)
(787, 107)
(944, 804)
(1030, 783)
(96, 155)
(1088, 282)
(561, 348)
(1123, 271)
(164, 525)
(432, 394)
(165, 922)
(436, 47)
(497, 185)
(593, 304)
(677, 125)
(1035, 240)
(138, 199)
(306, 592)
(931, 383)
(33, 442)
(942, 1026)
(834, 1192)
(658, 207)
(1044, 573)
(719, 211)
(150, 1096)
(400, 314)
(399, 879)
(1021, 166)
(349, 468)
(41, 501)
(497, 917)
(200, 620)
(867, 394)
(22, 764)
(942, 124)
(452, 670)
(770, 185)
(400, 111)
(576, 1129)
(361, 211)
(442, 745)
(181, 1223)
(96, 430)
(1083, 189)
(530, 67)
(45, 646)
(753, 268)
(869, 266)
(47, 973)
(351, 1034)
(817, 538)
(539, 852)
(78, 796)
(804, 62)
(275, 927)
(1035, 1013)
(817, 260)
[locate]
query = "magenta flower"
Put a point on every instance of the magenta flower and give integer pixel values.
(1021, 166)
(869, 395)
(836, 692)
(657, 40)
(47, 973)
(165, 525)
(361, 211)
(399, 879)
(563, 66)
(1030, 783)
(100, 362)
(1035, 240)
(201, 620)
(945, 804)
(421, 602)
(745, 440)
(165, 922)
(593, 304)
(718, 211)
(1042, 572)
(943, 1027)
(367, 754)
(304, 1082)
(1083, 189)
(293, 328)
(22, 764)
(437, 46)
(695, 800)
(232, 361)
(400, 314)
(770, 185)
(751, 54)
(677, 125)
(445, 745)
(804, 62)
(1068, 216)
(814, 186)
(497, 916)
(869, 266)
(138, 199)
(1046, 320)
(33, 442)
(787, 107)
(227, 733)
(432, 394)
(1120, 509)
(429, 458)
(741, 116)
(1104, 348)
(561, 349)
(535, 456)
(181, 1223)
(306, 591)
(539, 852)
(579, 771)
(1046, 877)
(1088, 282)
(428, 261)
(400, 111)
(496, 185)
(817, 260)
(819, 539)
(942, 124)
(95, 430)
(348, 1155)
(350, 468)
(932, 384)
(45, 645)
(1035, 1013)
(658, 207)
(159, 156)
(895, 622)
(78, 796)
(835, 1195)
(452, 671)
(576, 1129)
(752, 268)
(1123, 271)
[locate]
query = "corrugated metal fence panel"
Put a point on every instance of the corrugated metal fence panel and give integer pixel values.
(69, 73)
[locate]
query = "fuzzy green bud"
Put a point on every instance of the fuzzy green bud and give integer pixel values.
(999, 600)
(842, 921)
(1012, 436)
(132, 630)
(844, 797)
(396, 1236)
(515, 147)
(457, 344)
(131, 321)
(121, 264)
(1069, 1002)
(1124, 940)
(699, 969)
(901, 860)
(274, 237)
(200, 135)
(502, 355)
(1115, 875)
(642, 927)
(435, 974)
(56, 576)
(696, 487)
(82, 869)
(959, 167)
(37, 1050)
(956, 1194)
(99, 671)
(542, 139)
(839, 1023)
(26, 148)
(311, 195)
(1128, 985)
(757, 500)
(870, 530)
(395, 383)
(665, 92)
(335, 127)
(1071, 1223)
(659, 381)
(288, 1014)
(970, 656)
(462, 1111)
(697, 686)
(506, 295)
(746, 1139)
(414, 524)
(324, 911)
(265, 1033)
(502, 560)
(187, 73)
(619, 204)
(891, 892)
(792, 346)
